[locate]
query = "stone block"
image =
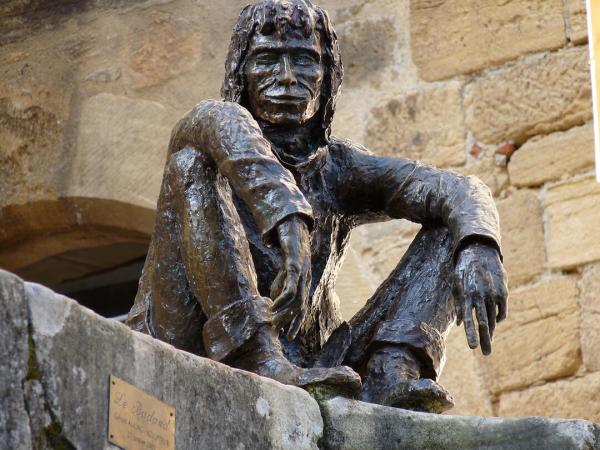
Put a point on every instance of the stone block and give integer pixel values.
(14, 367)
(576, 397)
(540, 338)
(572, 223)
(463, 378)
(522, 231)
(426, 125)
(461, 36)
(380, 246)
(535, 95)
(589, 316)
(121, 150)
(353, 425)
(216, 406)
(353, 285)
(577, 21)
(551, 157)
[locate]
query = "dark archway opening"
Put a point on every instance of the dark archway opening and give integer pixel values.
(104, 279)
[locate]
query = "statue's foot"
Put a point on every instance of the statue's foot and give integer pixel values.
(264, 356)
(393, 379)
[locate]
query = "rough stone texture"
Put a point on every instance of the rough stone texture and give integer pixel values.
(552, 157)
(535, 95)
(76, 351)
(572, 223)
(590, 317)
(486, 169)
(354, 425)
(14, 354)
(426, 125)
(380, 247)
(539, 340)
(463, 377)
(576, 397)
(577, 21)
(460, 36)
(115, 134)
(368, 48)
(355, 285)
(522, 236)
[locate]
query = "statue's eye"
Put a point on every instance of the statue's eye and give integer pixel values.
(304, 60)
(266, 58)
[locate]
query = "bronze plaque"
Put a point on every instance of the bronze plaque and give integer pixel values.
(138, 421)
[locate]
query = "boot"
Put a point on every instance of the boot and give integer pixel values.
(393, 378)
(263, 355)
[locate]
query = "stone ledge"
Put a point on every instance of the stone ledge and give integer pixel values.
(57, 357)
(65, 360)
(353, 425)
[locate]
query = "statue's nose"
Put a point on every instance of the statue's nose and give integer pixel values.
(287, 77)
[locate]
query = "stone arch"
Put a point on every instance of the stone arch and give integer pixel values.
(91, 249)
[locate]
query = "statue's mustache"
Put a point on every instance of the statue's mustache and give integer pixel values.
(272, 83)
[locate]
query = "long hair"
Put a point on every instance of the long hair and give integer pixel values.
(276, 16)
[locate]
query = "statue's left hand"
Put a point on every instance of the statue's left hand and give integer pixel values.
(480, 285)
(290, 289)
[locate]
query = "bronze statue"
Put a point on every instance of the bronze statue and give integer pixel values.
(256, 208)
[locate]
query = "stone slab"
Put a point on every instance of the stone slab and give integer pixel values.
(589, 317)
(553, 157)
(353, 425)
(572, 223)
(217, 407)
(56, 392)
(14, 355)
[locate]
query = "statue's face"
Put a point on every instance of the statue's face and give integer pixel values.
(284, 77)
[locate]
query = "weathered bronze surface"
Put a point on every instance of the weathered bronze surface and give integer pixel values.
(256, 208)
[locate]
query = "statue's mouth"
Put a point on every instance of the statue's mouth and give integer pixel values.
(286, 99)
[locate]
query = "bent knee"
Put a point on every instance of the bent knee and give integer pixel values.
(185, 165)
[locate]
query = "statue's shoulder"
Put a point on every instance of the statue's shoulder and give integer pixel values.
(345, 148)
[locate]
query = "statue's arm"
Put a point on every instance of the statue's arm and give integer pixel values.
(403, 189)
(233, 139)
(399, 188)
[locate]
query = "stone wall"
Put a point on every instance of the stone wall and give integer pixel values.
(89, 91)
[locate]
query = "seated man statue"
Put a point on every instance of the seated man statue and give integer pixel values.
(257, 204)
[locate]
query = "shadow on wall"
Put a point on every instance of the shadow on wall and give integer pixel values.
(91, 250)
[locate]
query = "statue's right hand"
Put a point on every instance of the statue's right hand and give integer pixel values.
(290, 289)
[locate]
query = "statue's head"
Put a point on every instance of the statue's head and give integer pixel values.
(284, 63)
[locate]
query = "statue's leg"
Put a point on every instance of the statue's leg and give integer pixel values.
(400, 333)
(214, 268)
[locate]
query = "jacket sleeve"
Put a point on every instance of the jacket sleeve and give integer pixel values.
(234, 141)
(403, 189)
